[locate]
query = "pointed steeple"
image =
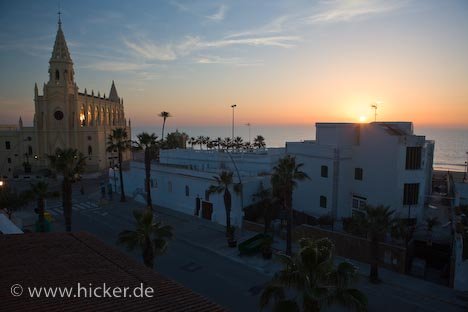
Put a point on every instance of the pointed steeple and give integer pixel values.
(60, 52)
(20, 122)
(113, 96)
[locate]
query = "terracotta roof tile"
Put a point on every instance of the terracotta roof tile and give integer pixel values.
(64, 259)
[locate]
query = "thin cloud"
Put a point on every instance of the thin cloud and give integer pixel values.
(220, 14)
(235, 61)
(152, 51)
(169, 52)
(278, 25)
(343, 11)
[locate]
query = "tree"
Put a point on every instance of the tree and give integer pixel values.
(69, 163)
(175, 140)
(284, 179)
(265, 202)
(223, 183)
(238, 142)
(11, 200)
(149, 236)
(192, 141)
(164, 116)
(118, 142)
(201, 141)
(40, 191)
(376, 221)
(148, 143)
(313, 279)
(259, 141)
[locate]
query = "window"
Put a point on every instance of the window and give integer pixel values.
(29, 138)
(9, 160)
(411, 194)
(89, 138)
(169, 187)
(324, 172)
(187, 190)
(413, 158)
(7, 145)
(30, 151)
(358, 174)
(323, 201)
(57, 75)
(359, 202)
(58, 115)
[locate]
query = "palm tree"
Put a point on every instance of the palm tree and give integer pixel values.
(265, 201)
(201, 141)
(376, 221)
(68, 162)
(219, 141)
(148, 143)
(118, 142)
(313, 279)
(40, 191)
(192, 141)
(223, 182)
(164, 116)
(259, 141)
(238, 142)
(149, 236)
(227, 143)
(284, 179)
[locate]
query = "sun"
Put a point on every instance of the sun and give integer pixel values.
(362, 119)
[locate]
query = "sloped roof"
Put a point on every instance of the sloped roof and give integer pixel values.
(64, 259)
(60, 52)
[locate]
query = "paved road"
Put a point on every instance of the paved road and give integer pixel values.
(226, 282)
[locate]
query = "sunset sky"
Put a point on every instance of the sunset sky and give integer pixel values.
(281, 62)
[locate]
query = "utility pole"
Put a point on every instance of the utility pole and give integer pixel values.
(233, 107)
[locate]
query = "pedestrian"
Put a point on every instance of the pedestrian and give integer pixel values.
(103, 190)
(109, 190)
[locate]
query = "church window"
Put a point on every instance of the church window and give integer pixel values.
(30, 151)
(89, 138)
(7, 145)
(57, 75)
(58, 115)
(90, 150)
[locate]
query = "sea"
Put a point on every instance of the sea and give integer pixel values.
(451, 144)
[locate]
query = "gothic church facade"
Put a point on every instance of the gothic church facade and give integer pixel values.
(64, 118)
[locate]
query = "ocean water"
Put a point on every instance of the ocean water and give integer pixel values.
(451, 145)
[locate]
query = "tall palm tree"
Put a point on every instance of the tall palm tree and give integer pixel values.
(164, 116)
(40, 191)
(149, 144)
(118, 142)
(314, 280)
(284, 179)
(265, 201)
(192, 141)
(376, 221)
(219, 141)
(149, 236)
(227, 143)
(259, 141)
(67, 162)
(223, 182)
(201, 141)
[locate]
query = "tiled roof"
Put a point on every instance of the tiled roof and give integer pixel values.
(64, 259)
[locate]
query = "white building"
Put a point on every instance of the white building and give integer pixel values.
(182, 177)
(350, 165)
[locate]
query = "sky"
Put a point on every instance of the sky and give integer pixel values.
(281, 62)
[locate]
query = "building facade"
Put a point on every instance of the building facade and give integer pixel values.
(351, 165)
(182, 177)
(64, 118)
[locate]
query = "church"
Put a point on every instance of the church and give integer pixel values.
(64, 118)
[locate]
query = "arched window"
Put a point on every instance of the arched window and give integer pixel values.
(57, 75)
(187, 190)
(90, 150)
(30, 151)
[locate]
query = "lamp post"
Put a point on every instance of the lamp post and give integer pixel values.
(233, 107)
(248, 125)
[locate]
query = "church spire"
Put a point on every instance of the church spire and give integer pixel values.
(60, 52)
(113, 96)
(61, 71)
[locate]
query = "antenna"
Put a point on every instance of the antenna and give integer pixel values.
(374, 107)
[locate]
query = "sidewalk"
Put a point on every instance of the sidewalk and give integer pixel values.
(210, 236)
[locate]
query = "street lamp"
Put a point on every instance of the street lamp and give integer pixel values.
(233, 107)
(248, 125)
